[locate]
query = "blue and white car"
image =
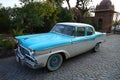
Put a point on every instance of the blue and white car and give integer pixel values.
(64, 41)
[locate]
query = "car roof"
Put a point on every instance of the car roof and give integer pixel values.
(75, 24)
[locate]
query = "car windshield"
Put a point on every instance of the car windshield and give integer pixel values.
(64, 29)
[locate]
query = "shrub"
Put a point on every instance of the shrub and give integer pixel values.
(17, 31)
(7, 43)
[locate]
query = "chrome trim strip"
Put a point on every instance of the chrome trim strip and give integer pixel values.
(26, 54)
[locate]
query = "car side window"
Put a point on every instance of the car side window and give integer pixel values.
(89, 31)
(69, 30)
(80, 31)
(59, 29)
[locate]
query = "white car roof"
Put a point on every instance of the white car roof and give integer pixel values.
(75, 24)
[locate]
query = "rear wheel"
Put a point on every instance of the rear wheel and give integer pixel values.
(97, 47)
(54, 62)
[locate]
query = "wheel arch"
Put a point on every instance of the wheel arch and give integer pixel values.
(64, 54)
(99, 42)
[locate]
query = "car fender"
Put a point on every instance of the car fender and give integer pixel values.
(67, 55)
(42, 59)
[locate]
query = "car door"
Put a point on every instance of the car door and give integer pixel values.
(83, 41)
(79, 41)
(90, 38)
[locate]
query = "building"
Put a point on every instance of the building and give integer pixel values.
(104, 15)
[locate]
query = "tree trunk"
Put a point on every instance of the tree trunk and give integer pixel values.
(59, 4)
(70, 9)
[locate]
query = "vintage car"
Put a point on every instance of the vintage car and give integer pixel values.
(115, 29)
(64, 41)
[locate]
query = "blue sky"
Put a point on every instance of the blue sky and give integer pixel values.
(11, 3)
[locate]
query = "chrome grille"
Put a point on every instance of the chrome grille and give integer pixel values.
(23, 50)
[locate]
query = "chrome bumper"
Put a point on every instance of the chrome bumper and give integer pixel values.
(23, 59)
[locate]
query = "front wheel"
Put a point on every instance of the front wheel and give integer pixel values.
(97, 47)
(54, 62)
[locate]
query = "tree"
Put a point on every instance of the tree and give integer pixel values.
(4, 20)
(26, 1)
(69, 5)
(58, 3)
(35, 16)
(76, 14)
(0, 5)
(83, 6)
(64, 15)
(116, 22)
(70, 9)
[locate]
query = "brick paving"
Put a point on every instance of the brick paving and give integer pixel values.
(102, 65)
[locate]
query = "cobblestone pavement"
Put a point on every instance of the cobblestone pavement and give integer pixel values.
(103, 65)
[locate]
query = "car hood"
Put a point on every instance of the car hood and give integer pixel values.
(43, 41)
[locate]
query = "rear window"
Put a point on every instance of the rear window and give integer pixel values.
(80, 31)
(89, 31)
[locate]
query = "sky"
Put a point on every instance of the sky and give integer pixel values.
(116, 3)
(11, 3)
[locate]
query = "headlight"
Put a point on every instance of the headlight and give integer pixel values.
(32, 52)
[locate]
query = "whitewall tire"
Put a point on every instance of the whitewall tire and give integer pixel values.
(54, 62)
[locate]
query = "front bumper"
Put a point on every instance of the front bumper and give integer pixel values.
(26, 60)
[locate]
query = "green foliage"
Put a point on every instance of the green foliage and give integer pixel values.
(17, 31)
(26, 1)
(33, 17)
(7, 43)
(28, 17)
(64, 15)
(4, 20)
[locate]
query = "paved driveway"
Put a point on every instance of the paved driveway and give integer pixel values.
(103, 65)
